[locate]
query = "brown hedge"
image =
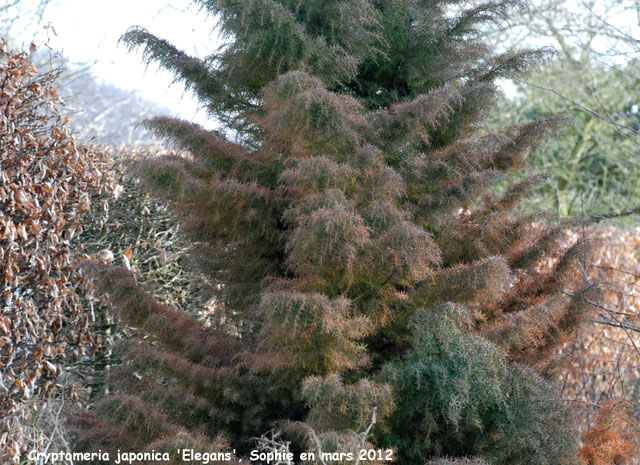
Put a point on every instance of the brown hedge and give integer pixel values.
(46, 185)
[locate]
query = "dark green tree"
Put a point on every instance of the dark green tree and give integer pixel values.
(363, 261)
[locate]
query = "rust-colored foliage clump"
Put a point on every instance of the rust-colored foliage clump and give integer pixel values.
(614, 439)
(45, 186)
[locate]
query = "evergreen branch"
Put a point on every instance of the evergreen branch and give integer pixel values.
(194, 73)
(403, 122)
(210, 146)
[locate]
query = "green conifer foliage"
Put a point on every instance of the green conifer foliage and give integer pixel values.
(364, 262)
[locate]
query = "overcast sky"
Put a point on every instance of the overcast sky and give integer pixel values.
(88, 31)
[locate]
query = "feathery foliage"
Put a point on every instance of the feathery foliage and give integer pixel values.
(363, 260)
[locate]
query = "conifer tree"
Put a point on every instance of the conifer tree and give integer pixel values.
(364, 259)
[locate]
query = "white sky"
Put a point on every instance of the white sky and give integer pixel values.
(88, 31)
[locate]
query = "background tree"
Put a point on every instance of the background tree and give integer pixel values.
(22, 18)
(594, 80)
(363, 262)
(592, 165)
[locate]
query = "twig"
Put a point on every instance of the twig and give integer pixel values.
(616, 215)
(363, 437)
